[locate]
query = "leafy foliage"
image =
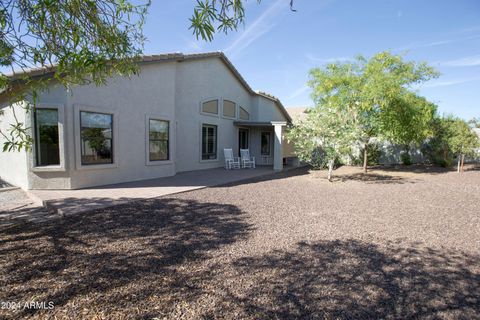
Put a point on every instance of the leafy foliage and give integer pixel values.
(211, 16)
(451, 137)
(324, 136)
(375, 90)
(75, 41)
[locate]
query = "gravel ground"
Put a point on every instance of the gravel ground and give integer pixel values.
(391, 244)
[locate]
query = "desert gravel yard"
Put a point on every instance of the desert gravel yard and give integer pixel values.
(391, 244)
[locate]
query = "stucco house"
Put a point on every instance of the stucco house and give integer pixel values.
(177, 115)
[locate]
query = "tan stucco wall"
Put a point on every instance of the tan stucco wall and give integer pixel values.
(196, 82)
(13, 165)
(169, 90)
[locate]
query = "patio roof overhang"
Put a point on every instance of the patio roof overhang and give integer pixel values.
(259, 123)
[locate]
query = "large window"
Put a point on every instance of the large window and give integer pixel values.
(158, 140)
(46, 137)
(210, 107)
(244, 115)
(265, 146)
(96, 138)
(229, 109)
(209, 142)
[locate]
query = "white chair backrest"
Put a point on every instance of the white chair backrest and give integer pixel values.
(228, 153)
(245, 154)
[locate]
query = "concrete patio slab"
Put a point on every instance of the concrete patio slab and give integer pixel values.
(67, 202)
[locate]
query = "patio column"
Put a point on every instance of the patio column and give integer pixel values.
(278, 148)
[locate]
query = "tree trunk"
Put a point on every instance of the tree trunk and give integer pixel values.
(458, 164)
(330, 169)
(365, 158)
(461, 164)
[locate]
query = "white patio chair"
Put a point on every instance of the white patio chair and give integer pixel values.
(247, 161)
(231, 162)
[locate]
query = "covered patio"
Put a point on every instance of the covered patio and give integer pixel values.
(264, 141)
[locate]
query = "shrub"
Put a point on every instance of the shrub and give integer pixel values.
(406, 158)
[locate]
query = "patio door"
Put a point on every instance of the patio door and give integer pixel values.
(242, 139)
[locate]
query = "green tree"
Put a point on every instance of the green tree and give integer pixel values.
(408, 121)
(452, 137)
(326, 135)
(462, 141)
(369, 88)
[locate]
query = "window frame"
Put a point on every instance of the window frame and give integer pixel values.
(34, 167)
(223, 109)
(171, 140)
(78, 137)
(239, 112)
(269, 154)
(216, 142)
(219, 107)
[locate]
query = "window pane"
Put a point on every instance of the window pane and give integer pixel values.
(228, 109)
(96, 138)
(244, 115)
(46, 134)
(210, 107)
(265, 148)
(209, 142)
(158, 140)
(158, 129)
(158, 150)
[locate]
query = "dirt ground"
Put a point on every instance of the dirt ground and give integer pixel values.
(394, 243)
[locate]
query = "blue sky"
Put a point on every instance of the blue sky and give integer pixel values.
(276, 48)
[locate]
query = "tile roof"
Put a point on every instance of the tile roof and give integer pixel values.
(168, 57)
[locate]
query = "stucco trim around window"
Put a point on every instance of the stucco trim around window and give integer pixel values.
(77, 137)
(210, 99)
(61, 139)
(171, 140)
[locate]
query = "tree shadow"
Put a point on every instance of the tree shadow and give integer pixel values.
(127, 251)
(356, 280)
(373, 178)
(291, 172)
(414, 168)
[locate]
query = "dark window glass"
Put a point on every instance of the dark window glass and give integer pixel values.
(96, 138)
(158, 140)
(209, 142)
(46, 137)
(265, 148)
(242, 139)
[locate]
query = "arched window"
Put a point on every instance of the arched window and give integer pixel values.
(210, 107)
(229, 109)
(244, 115)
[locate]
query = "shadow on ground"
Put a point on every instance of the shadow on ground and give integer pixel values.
(116, 259)
(373, 178)
(175, 258)
(356, 280)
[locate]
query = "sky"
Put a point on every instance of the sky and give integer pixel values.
(275, 48)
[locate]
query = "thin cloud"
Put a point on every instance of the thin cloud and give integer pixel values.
(437, 84)
(262, 25)
(463, 62)
(312, 58)
(192, 45)
(298, 92)
(416, 45)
